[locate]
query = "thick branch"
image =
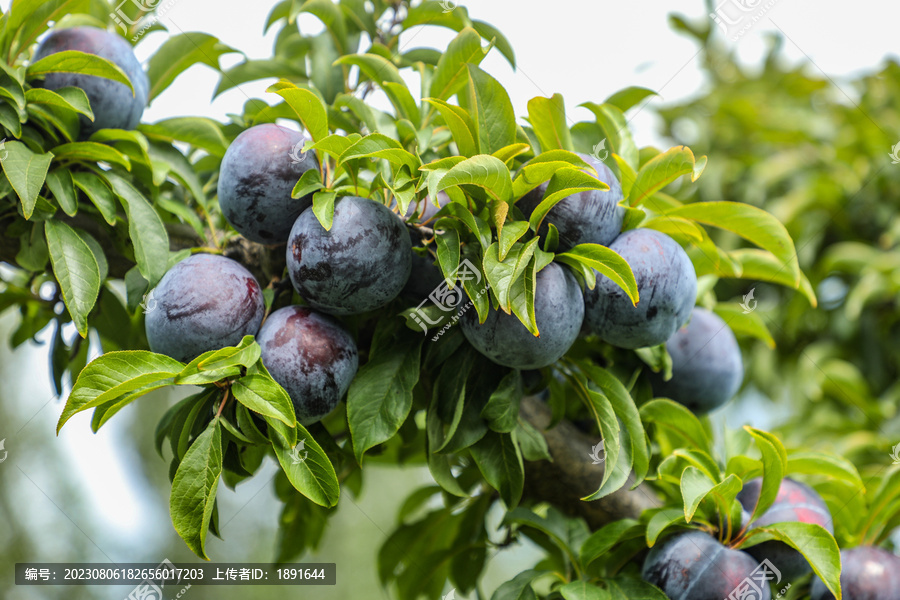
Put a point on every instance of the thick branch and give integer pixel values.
(572, 474)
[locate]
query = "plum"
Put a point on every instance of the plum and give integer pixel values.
(559, 311)
(360, 264)
(203, 303)
(591, 217)
(795, 501)
(667, 286)
(311, 356)
(695, 566)
(706, 364)
(258, 174)
(112, 102)
(425, 274)
(867, 573)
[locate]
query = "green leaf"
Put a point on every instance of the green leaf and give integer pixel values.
(564, 183)
(26, 20)
(113, 375)
(606, 262)
(75, 269)
(502, 409)
(256, 69)
(763, 266)
(199, 132)
(62, 188)
(380, 397)
(451, 72)
(311, 474)
(582, 590)
(627, 412)
(662, 170)
(774, 460)
(615, 127)
(146, 230)
(91, 152)
(68, 98)
(308, 106)
(604, 539)
(482, 170)
(503, 274)
(98, 193)
(378, 145)
(194, 488)
(743, 323)
(492, 112)
(660, 521)
(75, 61)
(448, 254)
(327, 12)
(826, 464)
(548, 119)
(323, 208)
(461, 126)
(180, 52)
(511, 234)
(697, 485)
(25, 172)
(753, 224)
(629, 588)
(377, 68)
(478, 227)
(674, 417)
(813, 541)
(498, 458)
(519, 587)
(264, 396)
(629, 97)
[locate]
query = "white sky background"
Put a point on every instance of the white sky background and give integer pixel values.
(584, 49)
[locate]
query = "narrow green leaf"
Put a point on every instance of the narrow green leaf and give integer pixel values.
(75, 61)
(68, 98)
(498, 458)
(194, 488)
(75, 269)
(91, 152)
(113, 375)
(451, 73)
(753, 224)
(307, 467)
(548, 119)
(264, 396)
(180, 52)
(492, 112)
(660, 171)
(482, 170)
(307, 105)
(606, 262)
(25, 172)
(380, 396)
(145, 228)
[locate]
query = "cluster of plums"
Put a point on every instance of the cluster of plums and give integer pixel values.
(696, 566)
(366, 259)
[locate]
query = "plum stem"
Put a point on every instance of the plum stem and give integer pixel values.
(225, 399)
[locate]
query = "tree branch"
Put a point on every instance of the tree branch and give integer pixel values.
(572, 474)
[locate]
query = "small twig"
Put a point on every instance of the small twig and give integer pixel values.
(224, 401)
